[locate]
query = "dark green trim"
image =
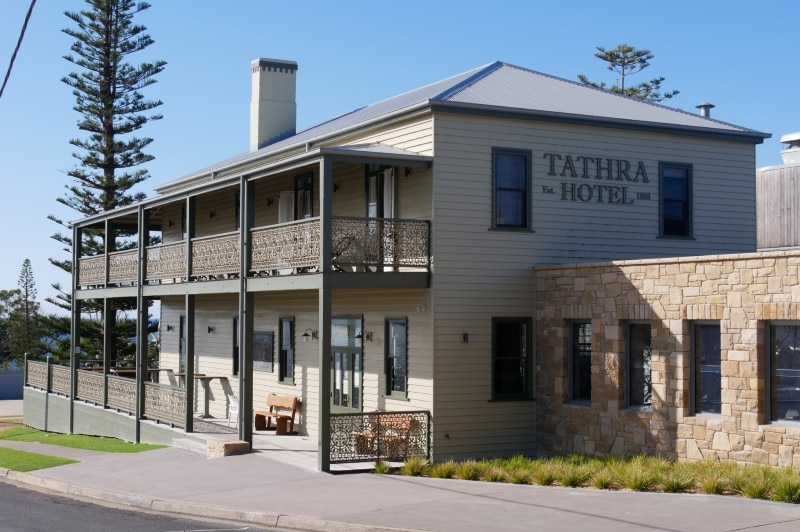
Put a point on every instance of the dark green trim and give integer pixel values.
(528, 154)
(689, 199)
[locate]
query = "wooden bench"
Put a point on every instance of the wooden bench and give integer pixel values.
(392, 434)
(281, 407)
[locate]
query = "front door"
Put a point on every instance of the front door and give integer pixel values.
(346, 367)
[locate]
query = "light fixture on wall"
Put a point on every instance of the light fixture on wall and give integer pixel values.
(364, 335)
(336, 187)
(310, 334)
(407, 171)
(422, 308)
(211, 214)
(270, 201)
(170, 223)
(210, 329)
(465, 337)
(170, 327)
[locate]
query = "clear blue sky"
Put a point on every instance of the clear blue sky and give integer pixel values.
(739, 55)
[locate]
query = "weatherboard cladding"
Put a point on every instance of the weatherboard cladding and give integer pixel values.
(511, 88)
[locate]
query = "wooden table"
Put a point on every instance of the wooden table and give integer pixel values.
(205, 380)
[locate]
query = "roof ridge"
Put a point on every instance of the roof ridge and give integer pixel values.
(458, 87)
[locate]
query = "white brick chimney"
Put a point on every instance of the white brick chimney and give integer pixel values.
(273, 109)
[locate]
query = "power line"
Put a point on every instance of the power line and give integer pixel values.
(19, 43)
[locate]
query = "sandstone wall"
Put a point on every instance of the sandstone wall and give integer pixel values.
(743, 293)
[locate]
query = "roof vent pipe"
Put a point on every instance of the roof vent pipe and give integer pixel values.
(705, 109)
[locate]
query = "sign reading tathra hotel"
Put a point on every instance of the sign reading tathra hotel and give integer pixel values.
(597, 168)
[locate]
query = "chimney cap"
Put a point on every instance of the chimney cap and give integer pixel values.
(705, 109)
(274, 63)
(791, 138)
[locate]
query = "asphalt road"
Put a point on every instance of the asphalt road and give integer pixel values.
(33, 511)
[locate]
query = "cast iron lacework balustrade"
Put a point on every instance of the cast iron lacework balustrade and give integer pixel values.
(92, 271)
(123, 266)
(166, 261)
(122, 394)
(289, 245)
(215, 255)
(380, 242)
(37, 374)
(165, 403)
(90, 386)
(372, 436)
(60, 379)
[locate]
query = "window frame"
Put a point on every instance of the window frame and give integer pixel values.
(303, 182)
(572, 362)
(526, 357)
(236, 346)
(647, 370)
(689, 221)
(388, 358)
(282, 355)
(269, 353)
(772, 404)
(498, 152)
(695, 386)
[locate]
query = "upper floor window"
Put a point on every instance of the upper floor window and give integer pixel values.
(304, 196)
(511, 338)
(640, 383)
(580, 361)
(783, 389)
(676, 199)
(511, 181)
(707, 378)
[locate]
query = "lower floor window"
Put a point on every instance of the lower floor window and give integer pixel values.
(640, 384)
(287, 350)
(707, 377)
(511, 338)
(784, 374)
(396, 357)
(580, 367)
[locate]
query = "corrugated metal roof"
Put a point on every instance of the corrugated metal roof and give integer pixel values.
(523, 89)
(501, 86)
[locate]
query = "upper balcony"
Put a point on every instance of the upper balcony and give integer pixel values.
(358, 245)
(196, 237)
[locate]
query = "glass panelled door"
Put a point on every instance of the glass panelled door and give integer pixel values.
(346, 380)
(346, 367)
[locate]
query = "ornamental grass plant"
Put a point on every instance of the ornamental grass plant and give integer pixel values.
(637, 473)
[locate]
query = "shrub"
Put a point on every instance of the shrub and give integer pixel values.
(787, 487)
(640, 474)
(470, 470)
(544, 473)
(494, 473)
(520, 475)
(678, 479)
(443, 470)
(382, 467)
(415, 466)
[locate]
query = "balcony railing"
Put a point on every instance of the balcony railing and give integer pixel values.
(215, 255)
(377, 244)
(289, 245)
(166, 261)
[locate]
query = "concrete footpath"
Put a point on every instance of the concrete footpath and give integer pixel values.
(255, 489)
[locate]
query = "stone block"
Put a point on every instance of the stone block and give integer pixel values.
(785, 455)
(221, 449)
(721, 442)
(773, 437)
(693, 451)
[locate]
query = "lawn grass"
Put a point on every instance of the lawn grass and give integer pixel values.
(24, 461)
(76, 441)
(638, 473)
